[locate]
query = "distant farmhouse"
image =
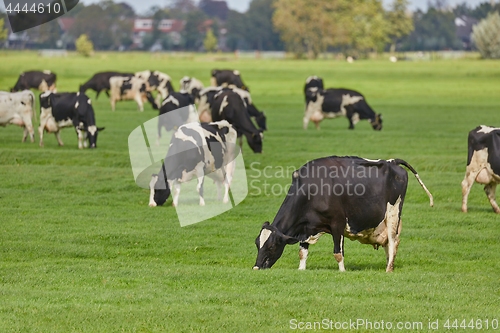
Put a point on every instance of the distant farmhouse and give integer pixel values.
(463, 28)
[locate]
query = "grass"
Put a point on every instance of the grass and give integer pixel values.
(80, 250)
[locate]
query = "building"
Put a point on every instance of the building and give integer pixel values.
(463, 28)
(144, 26)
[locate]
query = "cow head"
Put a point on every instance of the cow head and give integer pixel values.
(312, 94)
(255, 141)
(270, 245)
(377, 122)
(159, 191)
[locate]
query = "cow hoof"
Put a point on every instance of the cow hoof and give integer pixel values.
(152, 204)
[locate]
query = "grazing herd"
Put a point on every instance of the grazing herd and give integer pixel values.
(351, 197)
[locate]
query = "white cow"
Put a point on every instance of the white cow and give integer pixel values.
(18, 108)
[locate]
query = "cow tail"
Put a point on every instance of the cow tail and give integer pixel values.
(406, 164)
(32, 95)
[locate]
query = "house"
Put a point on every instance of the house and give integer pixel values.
(463, 28)
(143, 26)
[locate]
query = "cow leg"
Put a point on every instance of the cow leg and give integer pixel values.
(175, 193)
(58, 137)
(113, 104)
(138, 100)
(470, 177)
(31, 132)
(199, 187)
(228, 178)
(338, 247)
(40, 133)
(490, 193)
(85, 140)
(25, 134)
(303, 252)
(80, 139)
(393, 224)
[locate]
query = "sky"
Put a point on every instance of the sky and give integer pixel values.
(142, 6)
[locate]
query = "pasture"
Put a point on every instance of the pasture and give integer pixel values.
(81, 251)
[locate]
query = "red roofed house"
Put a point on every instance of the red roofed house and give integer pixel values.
(144, 26)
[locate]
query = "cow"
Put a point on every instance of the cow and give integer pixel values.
(158, 81)
(193, 86)
(41, 80)
(176, 110)
(18, 108)
(333, 103)
(74, 109)
(313, 82)
(128, 88)
(196, 150)
(206, 101)
(229, 106)
(349, 197)
(227, 77)
(100, 82)
(483, 163)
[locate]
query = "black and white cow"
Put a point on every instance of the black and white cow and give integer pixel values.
(333, 103)
(229, 106)
(100, 82)
(206, 102)
(18, 108)
(128, 88)
(483, 163)
(193, 86)
(158, 81)
(41, 80)
(343, 196)
(68, 110)
(196, 150)
(313, 82)
(176, 110)
(225, 77)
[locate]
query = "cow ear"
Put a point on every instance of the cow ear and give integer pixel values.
(290, 240)
(101, 129)
(266, 225)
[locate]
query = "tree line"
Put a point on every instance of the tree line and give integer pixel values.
(304, 27)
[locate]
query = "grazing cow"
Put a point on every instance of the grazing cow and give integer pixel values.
(313, 82)
(260, 117)
(18, 108)
(41, 80)
(483, 163)
(196, 150)
(128, 88)
(226, 77)
(158, 81)
(193, 86)
(229, 106)
(176, 110)
(206, 101)
(100, 82)
(343, 196)
(333, 103)
(68, 110)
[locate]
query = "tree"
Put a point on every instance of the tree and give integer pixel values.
(84, 46)
(486, 36)
(210, 42)
(3, 30)
(356, 26)
(193, 38)
(93, 22)
(259, 26)
(400, 24)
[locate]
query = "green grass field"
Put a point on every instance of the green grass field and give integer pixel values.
(81, 251)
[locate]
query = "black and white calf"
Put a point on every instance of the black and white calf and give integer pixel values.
(41, 80)
(226, 77)
(68, 110)
(18, 108)
(333, 103)
(196, 150)
(313, 82)
(343, 196)
(100, 82)
(483, 163)
(229, 106)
